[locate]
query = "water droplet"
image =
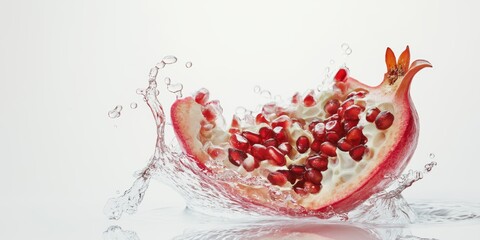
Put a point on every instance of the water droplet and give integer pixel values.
(169, 59)
(116, 112)
(188, 64)
(167, 80)
(175, 88)
(133, 105)
(346, 49)
(153, 73)
(257, 89)
(140, 91)
(266, 94)
(431, 155)
(160, 65)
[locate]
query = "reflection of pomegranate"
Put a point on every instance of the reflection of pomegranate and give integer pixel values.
(330, 150)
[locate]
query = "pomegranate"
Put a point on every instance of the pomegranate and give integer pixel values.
(329, 150)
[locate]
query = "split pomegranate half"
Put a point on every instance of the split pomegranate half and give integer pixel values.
(330, 150)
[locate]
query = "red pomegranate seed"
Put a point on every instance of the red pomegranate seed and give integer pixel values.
(280, 134)
(259, 151)
(349, 124)
(354, 136)
(311, 187)
(233, 130)
(296, 98)
(357, 152)
(313, 176)
(351, 113)
(201, 96)
(270, 142)
(315, 146)
(235, 122)
(299, 188)
(343, 145)
(334, 126)
(332, 106)
(384, 120)
(275, 156)
(372, 114)
(309, 99)
(260, 118)
(332, 137)
(328, 149)
(340, 112)
(292, 179)
(341, 75)
(318, 131)
(285, 148)
(282, 121)
(277, 178)
(239, 142)
(359, 94)
(266, 133)
(250, 163)
(297, 170)
(302, 144)
(209, 113)
(253, 138)
(347, 103)
(313, 123)
(236, 156)
(318, 162)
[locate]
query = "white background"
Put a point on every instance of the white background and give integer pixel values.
(65, 64)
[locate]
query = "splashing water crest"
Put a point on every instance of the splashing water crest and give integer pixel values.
(204, 193)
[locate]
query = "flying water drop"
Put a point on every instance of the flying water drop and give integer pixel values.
(188, 64)
(116, 112)
(133, 105)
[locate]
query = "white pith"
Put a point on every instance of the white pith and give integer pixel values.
(343, 174)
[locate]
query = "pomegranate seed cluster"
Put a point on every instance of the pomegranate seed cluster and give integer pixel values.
(273, 143)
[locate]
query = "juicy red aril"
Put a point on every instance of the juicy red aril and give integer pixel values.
(347, 103)
(334, 125)
(266, 133)
(309, 100)
(349, 124)
(311, 187)
(270, 142)
(275, 156)
(359, 94)
(384, 120)
(258, 151)
(302, 144)
(332, 137)
(354, 136)
(236, 156)
(328, 149)
(315, 146)
(318, 162)
(344, 145)
(253, 138)
(372, 114)
(313, 123)
(209, 113)
(332, 106)
(299, 188)
(239, 142)
(260, 118)
(351, 113)
(341, 75)
(201, 96)
(357, 152)
(285, 148)
(318, 131)
(283, 121)
(295, 97)
(250, 163)
(235, 122)
(313, 176)
(292, 179)
(297, 170)
(277, 178)
(280, 134)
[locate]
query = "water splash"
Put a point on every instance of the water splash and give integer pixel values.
(188, 64)
(117, 233)
(346, 49)
(116, 112)
(133, 105)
